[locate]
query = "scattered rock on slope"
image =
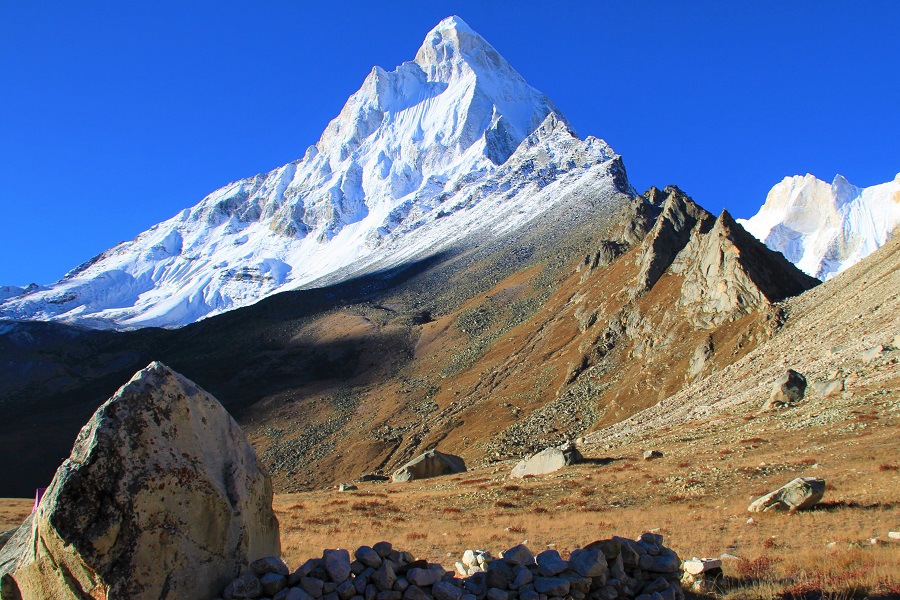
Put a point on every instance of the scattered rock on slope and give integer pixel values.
(162, 497)
(800, 494)
(787, 390)
(429, 464)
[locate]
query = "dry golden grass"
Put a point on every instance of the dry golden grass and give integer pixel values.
(13, 511)
(696, 496)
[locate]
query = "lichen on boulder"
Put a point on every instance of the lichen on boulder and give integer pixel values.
(162, 497)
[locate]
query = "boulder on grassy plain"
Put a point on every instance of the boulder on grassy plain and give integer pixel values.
(162, 497)
(547, 460)
(429, 464)
(799, 494)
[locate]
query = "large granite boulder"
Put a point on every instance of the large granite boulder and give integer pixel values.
(799, 494)
(162, 497)
(547, 460)
(430, 464)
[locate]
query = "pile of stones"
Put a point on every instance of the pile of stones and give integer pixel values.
(641, 569)
(473, 561)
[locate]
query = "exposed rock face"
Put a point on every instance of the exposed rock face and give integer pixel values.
(162, 497)
(429, 464)
(671, 232)
(728, 274)
(787, 389)
(547, 461)
(799, 494)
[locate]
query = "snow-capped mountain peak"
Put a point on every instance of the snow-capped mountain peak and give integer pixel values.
(826, 228)
(411, 165)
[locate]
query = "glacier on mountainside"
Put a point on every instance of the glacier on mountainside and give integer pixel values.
(826, 228)
(450, 144)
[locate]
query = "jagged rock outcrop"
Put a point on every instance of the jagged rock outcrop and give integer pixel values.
(728, 274)
(162, 497)
(675, 226)
(429, 464)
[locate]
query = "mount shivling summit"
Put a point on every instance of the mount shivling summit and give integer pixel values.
(450, 271)
(447, 149)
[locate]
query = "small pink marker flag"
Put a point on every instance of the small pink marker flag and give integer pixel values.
(37, 498)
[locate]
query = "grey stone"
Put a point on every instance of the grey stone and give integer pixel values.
(383, 549)
(551, 586)
(546, 461)
(312, 586)
(657, 585)
(828, 388)
(497, 594)
(296, 593)
(269, 564)
(401, 584)
(871, 354)
(360, 582)
(272, 583)
(799, 494)
(414, 592)
(345, 590)
(652, 454)
(337, 564)
(429, 464)
(443, 590)
(550, 563)
(371, 592)
(244, 587)
(589, 563)
(629, 551)
(368, 557)
(384, 578)
(389, 595)
(424, 577)
(695, 566)
(167, 452)
(787, 390)
(517, 555)
(497, 578)
(664, 564)
(528, 595)
(521, 576)
(347, 487)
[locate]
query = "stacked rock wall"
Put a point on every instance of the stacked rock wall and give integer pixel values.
(617, 568)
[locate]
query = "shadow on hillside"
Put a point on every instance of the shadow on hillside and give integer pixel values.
(55, 375)
(851, 505)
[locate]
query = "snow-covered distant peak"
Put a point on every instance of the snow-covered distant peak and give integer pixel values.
(450, 145)
(826, 228)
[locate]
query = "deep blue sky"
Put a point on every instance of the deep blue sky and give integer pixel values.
(116, 115)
